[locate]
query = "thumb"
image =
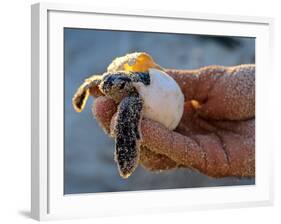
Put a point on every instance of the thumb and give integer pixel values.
(103, 110)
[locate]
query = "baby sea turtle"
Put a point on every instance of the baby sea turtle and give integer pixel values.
(141, 88)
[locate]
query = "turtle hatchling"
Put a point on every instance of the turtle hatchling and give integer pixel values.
(140, 87)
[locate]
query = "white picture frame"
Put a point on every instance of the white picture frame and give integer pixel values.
(48, 201)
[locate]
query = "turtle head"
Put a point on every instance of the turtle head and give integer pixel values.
(134, 62)
(117, 85)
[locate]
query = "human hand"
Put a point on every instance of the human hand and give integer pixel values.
(216, 134)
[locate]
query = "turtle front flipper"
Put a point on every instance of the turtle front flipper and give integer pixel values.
(80, 97)
(128, 134)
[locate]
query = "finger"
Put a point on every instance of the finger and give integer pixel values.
(154, 161)
(186, 79)
(103, 109)
(231, 96)
(222, 92)
(216, 155)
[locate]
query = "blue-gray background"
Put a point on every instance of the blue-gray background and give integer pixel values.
(88, 164)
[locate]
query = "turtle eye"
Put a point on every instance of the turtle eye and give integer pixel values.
(122, 85)
(121, 81)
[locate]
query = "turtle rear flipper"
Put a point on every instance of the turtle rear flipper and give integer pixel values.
(128, 134)
(80, 97)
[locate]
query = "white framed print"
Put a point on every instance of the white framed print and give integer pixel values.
(137, 111)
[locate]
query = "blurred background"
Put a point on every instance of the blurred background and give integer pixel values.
(89, 166)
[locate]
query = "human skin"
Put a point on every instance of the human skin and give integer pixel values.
(216, 134)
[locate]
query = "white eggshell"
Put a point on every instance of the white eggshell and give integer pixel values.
(163, 99)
